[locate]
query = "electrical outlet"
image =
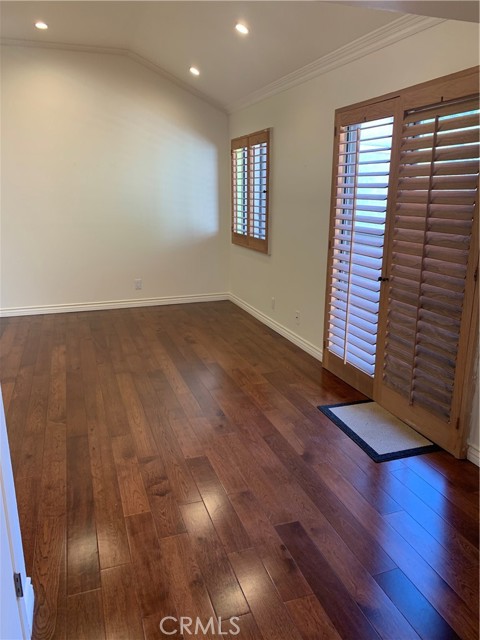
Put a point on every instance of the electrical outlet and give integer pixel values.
(297, 317)
(138, 283)
(273, 303)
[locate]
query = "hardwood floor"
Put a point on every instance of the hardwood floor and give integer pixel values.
(171, 461)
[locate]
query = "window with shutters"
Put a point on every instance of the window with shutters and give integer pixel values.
(250, 176)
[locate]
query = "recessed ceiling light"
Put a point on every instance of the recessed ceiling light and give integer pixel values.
(41, 25)
(194, 71)
(241, 28)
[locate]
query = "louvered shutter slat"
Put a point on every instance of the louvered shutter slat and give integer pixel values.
(435, 200)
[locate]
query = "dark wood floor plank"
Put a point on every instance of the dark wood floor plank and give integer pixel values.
(229, 473)
(27, 491)
(461, 472)
(311, 619)
(245, 628)
(454, 488)
(122, 615)
(356, 536)
(414, 606)
(464, 518)
(148, 563)
(347, 578)
(462, 577)
(225, 593)
(85, 616)
(162, 360)
(7, 341)
(267, 608)
(130, 342)
(225, 520)
(431, 521)
(83, 568)
(163, 505)
(132, 489)
(339, 605)
(16, 416)
(426, 579)
(76, 416)
(57, 398)
(53, 483)
(153, 631)
(60, 610)
(30, 451)
(109, 518)
(188, 589)
(280, 565)
(116, 417)
(46, 576)
(186, 437)
(180, 478)
(8, 385)
(270, 493)
(140, 431)
(318, 450)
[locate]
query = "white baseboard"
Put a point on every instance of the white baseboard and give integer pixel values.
(111, 304)
(473, 454)
(279, 328)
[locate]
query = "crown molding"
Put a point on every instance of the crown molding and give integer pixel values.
(82, 48)
(399, 29)
(116, 51)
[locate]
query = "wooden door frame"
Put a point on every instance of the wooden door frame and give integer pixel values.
(381, 108)
(451, 438)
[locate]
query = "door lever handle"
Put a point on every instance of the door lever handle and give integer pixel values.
(381, 279)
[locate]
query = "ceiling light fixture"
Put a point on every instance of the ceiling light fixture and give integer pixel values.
(41, 25)
(241, 28)
(194, 71)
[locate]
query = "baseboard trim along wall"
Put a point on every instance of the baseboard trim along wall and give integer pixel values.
(111, 304)
(279, 328)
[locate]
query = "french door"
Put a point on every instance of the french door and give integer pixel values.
(401, 310)
(356, 245)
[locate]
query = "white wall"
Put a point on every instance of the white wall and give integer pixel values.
(109, 173)
(302, 140)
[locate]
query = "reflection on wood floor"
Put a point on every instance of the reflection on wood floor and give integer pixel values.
(171, 461)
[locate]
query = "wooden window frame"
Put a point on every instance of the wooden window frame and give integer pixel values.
(248, 239)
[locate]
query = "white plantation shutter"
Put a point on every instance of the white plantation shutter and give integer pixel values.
(240, 187)
(435, 206)
(356, 241)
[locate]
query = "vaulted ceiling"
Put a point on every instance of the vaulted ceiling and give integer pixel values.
(285, 36)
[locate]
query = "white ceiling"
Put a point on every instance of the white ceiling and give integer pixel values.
(284, 36)
(466, 10)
